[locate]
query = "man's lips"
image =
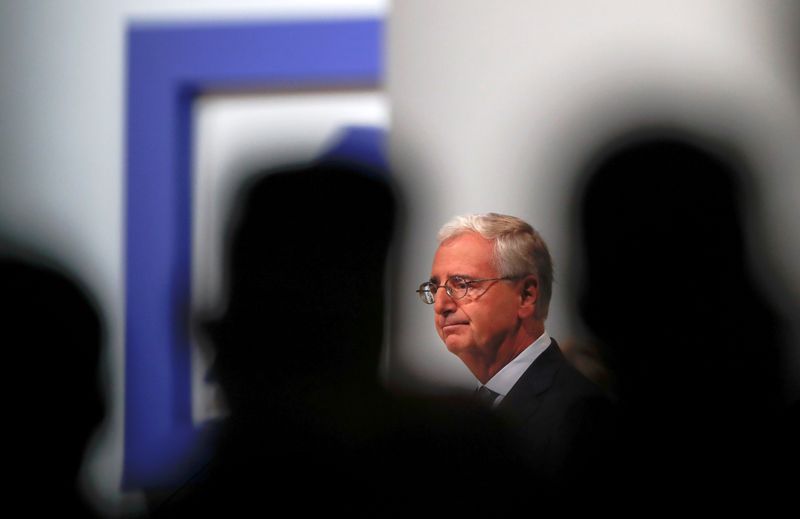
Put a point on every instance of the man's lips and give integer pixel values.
(445, 326)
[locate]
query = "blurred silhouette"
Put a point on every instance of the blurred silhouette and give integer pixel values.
(691, 339)
(52, 337)
(310, 428)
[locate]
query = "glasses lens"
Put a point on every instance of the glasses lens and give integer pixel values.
(426, 293)
(457, 287)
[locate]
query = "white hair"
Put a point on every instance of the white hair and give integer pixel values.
(518, 249)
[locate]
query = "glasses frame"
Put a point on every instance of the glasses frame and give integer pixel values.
(434, 288)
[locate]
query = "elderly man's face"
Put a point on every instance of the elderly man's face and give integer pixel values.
(478, 324)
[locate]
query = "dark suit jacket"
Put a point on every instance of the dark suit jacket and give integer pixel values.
(564, 423)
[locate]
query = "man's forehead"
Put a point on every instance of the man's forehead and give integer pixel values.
(467, 254)
(468, 237)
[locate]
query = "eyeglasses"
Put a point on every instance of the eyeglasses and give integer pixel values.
(456, 287)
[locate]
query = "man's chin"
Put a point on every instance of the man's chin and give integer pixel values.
(455, 345)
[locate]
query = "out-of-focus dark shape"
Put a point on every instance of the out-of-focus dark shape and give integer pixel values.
(52, 337)
(310, 428)
(693, 343)
(587, 358)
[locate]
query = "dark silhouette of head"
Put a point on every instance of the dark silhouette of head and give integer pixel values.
(666, 263)
(306, 277)
(52, 337)
(297, 347)
(669, 291)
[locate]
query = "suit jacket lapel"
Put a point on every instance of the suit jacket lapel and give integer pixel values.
(526, 395)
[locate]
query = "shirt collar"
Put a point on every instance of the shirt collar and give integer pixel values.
(502, 382)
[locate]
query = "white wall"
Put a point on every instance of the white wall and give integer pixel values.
(62, 95)
(496, 106)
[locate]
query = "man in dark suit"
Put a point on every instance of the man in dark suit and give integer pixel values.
(497, 274)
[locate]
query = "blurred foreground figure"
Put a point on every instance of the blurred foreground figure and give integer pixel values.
(490, 288)
(52, 337)
(297, 355)
(691, 339)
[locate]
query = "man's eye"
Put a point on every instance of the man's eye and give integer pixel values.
(460, 283)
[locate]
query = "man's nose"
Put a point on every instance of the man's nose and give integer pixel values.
(442, 302)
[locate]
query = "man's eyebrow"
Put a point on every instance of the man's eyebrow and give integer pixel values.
(435, 279)
(465, 276)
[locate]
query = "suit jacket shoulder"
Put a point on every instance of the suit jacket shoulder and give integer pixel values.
(560, 417)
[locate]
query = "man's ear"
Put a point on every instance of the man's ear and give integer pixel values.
(529, 296)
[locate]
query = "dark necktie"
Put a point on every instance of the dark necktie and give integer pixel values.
(486, 396)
